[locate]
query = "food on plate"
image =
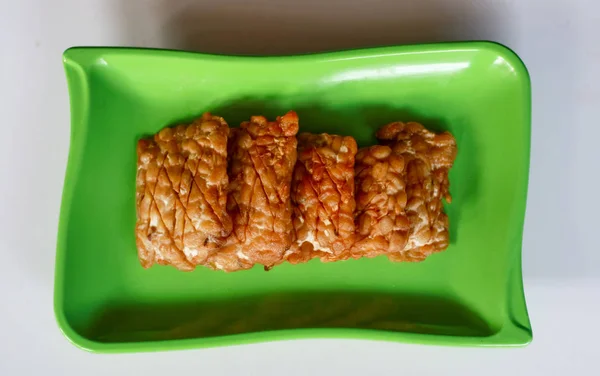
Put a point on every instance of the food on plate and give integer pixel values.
(262, 155)
(229, 199)
(182, 194)
(323, 197)
(382, 226)
(428, 158)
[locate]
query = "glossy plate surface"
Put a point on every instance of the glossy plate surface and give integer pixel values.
(472, 294)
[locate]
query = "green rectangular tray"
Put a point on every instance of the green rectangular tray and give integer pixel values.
(471, 294)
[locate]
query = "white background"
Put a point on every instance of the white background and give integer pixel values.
(559, 42)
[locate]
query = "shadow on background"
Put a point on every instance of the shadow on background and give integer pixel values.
(289, 26)
(414, 314)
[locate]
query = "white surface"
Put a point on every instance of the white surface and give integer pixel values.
(558, 40)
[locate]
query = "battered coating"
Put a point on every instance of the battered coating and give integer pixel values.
(381, 223)
(323, 197)
(428, 158)
(262, 158)
(331, 202)
(181, 194)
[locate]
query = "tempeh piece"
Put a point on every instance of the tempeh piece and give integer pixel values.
(182, 194)
(381, 223)
(323, 197)
(262, 158)
(428, 157)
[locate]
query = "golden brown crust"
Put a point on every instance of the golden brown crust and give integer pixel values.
(331, 202)
(381, 223)
(262, 158)
(323, 197)
(428, 157)
(182, 194)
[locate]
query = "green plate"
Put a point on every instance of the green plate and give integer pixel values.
(472, 294)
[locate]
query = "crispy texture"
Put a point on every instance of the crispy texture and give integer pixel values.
(381, 223)
(181, 194)
(428, 157)
(262, 158)
(323, 197)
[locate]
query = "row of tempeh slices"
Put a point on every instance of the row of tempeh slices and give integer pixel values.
(232, 198)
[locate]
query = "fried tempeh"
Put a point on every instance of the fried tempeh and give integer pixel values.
(428, 158)
(323, 197)
(381, 223)
(262, 158)
(182, 194)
